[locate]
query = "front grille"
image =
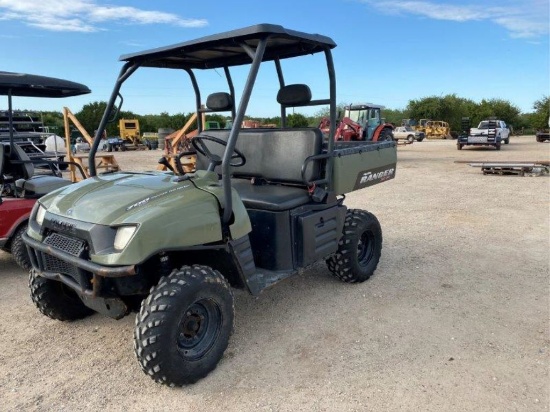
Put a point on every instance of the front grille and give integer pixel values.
(65, 243)
(55, 265)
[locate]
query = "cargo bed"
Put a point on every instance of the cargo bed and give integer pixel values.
(357, 165)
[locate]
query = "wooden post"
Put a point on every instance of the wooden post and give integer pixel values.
(106, 162)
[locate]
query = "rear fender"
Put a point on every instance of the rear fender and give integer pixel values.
(14, 212)
(378, 131)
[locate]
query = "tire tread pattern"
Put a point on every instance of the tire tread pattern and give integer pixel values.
(19, 250)
(150, 326)
(50, 299)
(342, 264)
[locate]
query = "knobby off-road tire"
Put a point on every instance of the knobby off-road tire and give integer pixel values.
(359, 248)
(19, 250)
(183, 327)
(55, 300)
(385, 136)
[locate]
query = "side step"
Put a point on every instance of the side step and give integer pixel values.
(255, 279)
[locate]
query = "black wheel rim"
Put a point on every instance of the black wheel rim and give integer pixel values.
(365, 248)
(198, 329)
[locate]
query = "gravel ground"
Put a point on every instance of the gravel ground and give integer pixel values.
(455, 318)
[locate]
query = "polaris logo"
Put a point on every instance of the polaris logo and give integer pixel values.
(61, 226)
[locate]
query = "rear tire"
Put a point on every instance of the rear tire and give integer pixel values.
(109, 147)
(410, 138)
(19, 250)
(459, 146)
(359, 248)
(55, 300)
(507, 141)
(183, 327)
(385, 136)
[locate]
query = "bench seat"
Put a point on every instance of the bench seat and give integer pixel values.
(275, 156)
(272, 197)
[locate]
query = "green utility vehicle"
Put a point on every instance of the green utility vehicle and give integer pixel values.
(261, 204)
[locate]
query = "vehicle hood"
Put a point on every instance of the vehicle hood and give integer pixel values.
(115, 197)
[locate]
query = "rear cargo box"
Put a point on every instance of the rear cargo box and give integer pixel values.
(362, 164)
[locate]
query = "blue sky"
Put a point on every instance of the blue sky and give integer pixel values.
(389, 51)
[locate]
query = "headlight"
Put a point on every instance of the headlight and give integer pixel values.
(41, 212)
(123, 236)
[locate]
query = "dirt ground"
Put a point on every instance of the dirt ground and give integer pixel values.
(455, 318)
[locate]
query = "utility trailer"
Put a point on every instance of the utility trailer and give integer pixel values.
(260, 205)
(513, 168)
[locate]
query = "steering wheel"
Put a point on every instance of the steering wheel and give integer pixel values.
(198, 144)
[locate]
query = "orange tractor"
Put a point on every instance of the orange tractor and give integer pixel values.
(361, 121)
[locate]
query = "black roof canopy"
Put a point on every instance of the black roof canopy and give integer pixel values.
(31, 85)
(225, 49)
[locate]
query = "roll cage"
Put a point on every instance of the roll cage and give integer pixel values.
(248, 46)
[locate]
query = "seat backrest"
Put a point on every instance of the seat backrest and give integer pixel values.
(219, 102)
(26, 168)
(273, 154)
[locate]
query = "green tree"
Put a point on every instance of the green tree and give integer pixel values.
(90, 115)
(541, 117)
(296, 120)
(449, 108)
(501, 109)
(394, 116)
(53, 121)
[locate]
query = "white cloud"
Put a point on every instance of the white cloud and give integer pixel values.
(85, 15)
(522, 19)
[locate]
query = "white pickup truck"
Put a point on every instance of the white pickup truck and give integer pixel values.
(487, 133)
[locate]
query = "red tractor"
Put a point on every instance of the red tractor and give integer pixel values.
(361, 121)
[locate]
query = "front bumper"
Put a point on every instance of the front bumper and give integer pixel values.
(482, 140)
(96, 269)
(84, 277)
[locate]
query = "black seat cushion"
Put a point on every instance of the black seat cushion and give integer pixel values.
(40, 185)
(270, 197)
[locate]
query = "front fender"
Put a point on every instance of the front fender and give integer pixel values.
(196, 222)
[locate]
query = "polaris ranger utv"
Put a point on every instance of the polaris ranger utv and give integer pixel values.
(261, 204)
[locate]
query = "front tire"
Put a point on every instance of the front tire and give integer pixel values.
(359, 248)
(55, 300)
(19, 250)
(459, 146)
(183, 327)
